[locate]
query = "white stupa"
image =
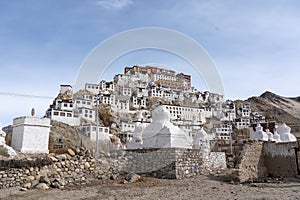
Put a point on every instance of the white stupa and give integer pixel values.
(161, 133)
(259, 134)
(285, 133)
(201, 141)
(276, 137)
(200, 138)
(270, 135)
(137, 138)
(5, 150)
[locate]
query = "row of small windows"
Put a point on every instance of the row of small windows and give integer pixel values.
(101, 129)
(128, 125)
(183, 109)
(68, 105)
(63, 114)
(93, 87)
(83, 102)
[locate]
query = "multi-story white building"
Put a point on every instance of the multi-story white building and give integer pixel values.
(241, 123)
(244, 110)
(141, 91)
(107, 86)
(80, 102)
(139, 102)
(126, 126)
(126, 91)
(156, 92)
(90, 131)
(181, 113)
(86, 113)
(62, 108)
(93, 88)
(222, 131)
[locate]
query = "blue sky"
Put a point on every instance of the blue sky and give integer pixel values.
(254, 44)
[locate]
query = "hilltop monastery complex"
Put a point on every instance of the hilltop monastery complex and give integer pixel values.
(133, 95)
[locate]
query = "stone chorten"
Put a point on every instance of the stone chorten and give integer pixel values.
(259, 134)
(285, 133)
(161, 133)
(5, 150)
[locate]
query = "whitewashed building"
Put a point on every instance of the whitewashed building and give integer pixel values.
(93, 88)
(86, 113)
(241, 123)
(107, 86)
(62, 108)
(139, 102)
(244, 110)
(31, 134)
(84, 103)
(182, 113)
(126, 126)
(90, 131)
(126, 91)
(222, 131)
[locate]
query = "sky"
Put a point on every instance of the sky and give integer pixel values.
(255, 45)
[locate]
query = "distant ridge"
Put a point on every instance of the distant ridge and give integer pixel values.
(275, 107)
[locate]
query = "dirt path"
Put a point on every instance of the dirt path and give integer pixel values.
(200, 187)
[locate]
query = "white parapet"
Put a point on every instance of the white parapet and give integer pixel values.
(31, 134)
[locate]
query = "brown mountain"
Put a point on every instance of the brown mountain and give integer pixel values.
(275, 107)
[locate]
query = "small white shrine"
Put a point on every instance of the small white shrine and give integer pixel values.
(202, 141)
(161, 133)
(31, 134)
(285, 133)
(259, 134)
(137, 137)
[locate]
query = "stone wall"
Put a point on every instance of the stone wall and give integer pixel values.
(280, 159)
(56, 170)
(171, 163)
(260, 160)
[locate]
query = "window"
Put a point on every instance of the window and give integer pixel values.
(106, 130)
(94, 128)
(101, 129)
(69, 115)
(55, 113)
(62, 114)
(85, 115)
(65, 105)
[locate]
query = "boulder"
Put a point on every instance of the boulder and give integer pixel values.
(42, 186)
(71, 152)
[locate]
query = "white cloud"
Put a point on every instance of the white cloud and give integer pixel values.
(114, 4)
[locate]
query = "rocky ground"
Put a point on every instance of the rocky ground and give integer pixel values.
(199, 187)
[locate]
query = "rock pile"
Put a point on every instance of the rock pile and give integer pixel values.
(77, 167)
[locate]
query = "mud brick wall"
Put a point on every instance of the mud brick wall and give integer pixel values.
(251, 166)
(280, 159)
(259, 160)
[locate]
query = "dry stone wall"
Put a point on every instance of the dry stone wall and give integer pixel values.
(76, 167)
